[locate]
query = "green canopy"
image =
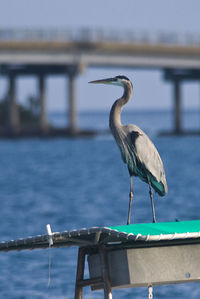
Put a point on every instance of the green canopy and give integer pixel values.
(125, 235)
(164, 228)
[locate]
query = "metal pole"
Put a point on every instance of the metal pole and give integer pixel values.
(13, 113)
(80, 273)
(72, 105)
(43, 117)
(105, 273)
(177, 108)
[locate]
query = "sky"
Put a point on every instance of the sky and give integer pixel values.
(153, 16)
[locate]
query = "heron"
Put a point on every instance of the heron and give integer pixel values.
(137, 150)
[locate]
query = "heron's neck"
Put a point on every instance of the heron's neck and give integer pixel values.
(115, 113)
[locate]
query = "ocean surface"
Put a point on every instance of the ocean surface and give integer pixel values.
(76, 183)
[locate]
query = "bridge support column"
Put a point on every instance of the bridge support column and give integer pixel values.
(42, 96)
(72, 113)
(177, 107)
(13, 112)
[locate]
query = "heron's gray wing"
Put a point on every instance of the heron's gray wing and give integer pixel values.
(148, 159)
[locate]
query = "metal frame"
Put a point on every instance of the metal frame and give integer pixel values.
(103, 240)
(104, 279)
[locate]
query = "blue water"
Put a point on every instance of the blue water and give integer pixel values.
(79, 183)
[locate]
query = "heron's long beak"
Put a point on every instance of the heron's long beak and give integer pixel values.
(103, 81)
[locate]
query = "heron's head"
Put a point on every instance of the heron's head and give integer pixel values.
(122, 81)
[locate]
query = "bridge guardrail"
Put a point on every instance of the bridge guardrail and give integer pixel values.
(99, 35)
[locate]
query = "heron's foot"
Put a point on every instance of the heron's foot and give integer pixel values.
(128, 221)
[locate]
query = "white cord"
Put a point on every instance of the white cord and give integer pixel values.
(49, 232)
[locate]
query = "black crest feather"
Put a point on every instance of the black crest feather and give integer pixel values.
(122, 77)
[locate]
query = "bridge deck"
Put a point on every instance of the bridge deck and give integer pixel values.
(96, 54)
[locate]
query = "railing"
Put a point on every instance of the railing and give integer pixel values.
(99, 35)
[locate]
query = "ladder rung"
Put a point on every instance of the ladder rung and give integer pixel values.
(90, 282)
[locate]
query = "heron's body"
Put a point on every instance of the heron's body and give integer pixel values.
(141, 156)
(137, 150)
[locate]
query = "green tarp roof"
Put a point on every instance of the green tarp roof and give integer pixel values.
(158, 228)
(126, 234)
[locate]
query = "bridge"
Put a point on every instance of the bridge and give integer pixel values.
(70, 52)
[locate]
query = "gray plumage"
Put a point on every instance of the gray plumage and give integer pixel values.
(137, 150)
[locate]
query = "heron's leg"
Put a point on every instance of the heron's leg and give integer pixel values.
(130, 199)
(152, 201)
